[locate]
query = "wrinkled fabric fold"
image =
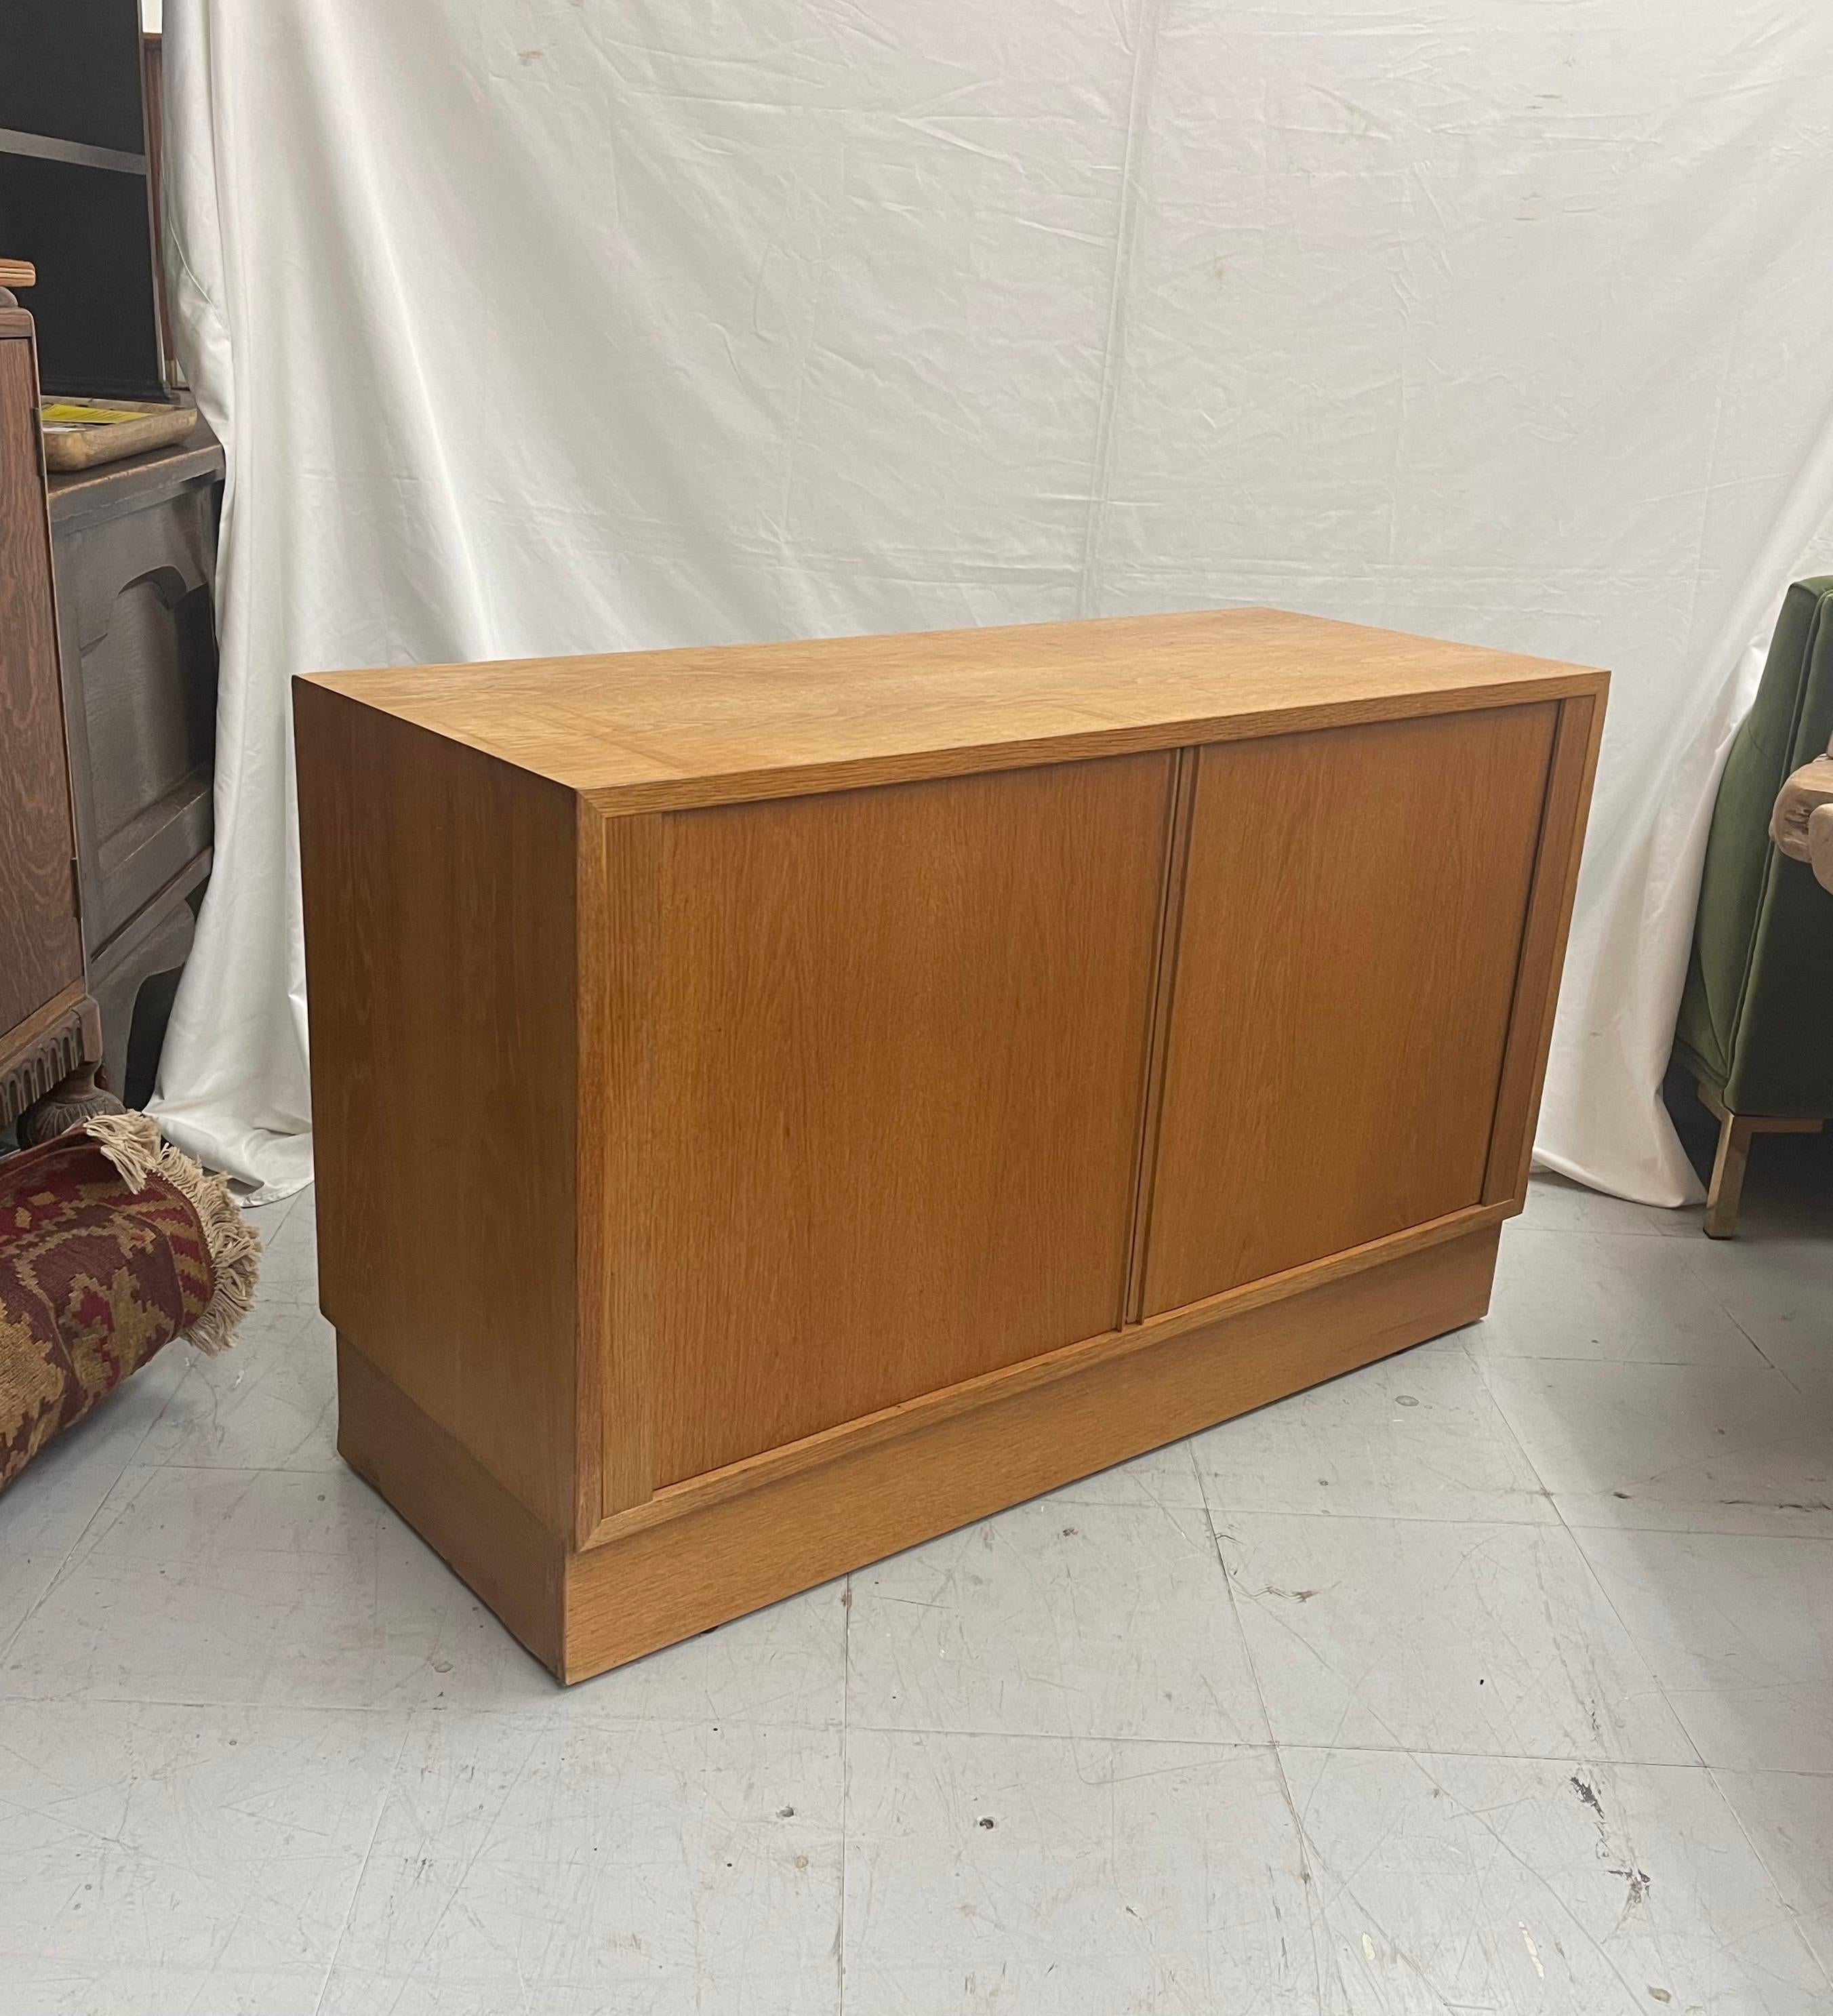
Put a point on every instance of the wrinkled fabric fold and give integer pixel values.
(564, 327)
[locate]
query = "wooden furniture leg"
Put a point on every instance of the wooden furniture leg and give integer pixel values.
(1736, 1131)
(1727, 1188)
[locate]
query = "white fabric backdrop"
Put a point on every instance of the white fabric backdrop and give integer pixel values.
(539, 325)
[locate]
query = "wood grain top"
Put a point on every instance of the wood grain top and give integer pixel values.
(645, 730)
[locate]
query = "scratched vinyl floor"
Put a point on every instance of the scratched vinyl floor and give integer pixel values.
(1498, 1677)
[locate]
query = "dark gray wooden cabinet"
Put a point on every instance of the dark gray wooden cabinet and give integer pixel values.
(135, 546)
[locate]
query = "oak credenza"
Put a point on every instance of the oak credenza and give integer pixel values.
(775, 1104)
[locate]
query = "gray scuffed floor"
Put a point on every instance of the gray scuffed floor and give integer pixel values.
(1498, 1677)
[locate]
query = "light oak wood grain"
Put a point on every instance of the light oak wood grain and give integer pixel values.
(1110, 1349)
(454, 1504)
(773, 1106)
(646, 730)
(894, 1044)
(719, 1552)
(716, 1547)
(620, 931)
(439, 909)
(1353, 906)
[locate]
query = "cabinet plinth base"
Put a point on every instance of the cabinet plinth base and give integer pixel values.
(701, 1552)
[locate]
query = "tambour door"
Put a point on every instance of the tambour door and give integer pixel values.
(1353, 905)
(880, 1087)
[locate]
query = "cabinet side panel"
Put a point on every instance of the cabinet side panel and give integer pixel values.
(901, 1038)
(439, 892)
(1352, 918)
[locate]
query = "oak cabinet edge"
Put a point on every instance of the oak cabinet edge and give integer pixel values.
(542, 1072)
(796, 778)
(851, 1440)
(716, 1557)
(721, 1557)
(438, 887)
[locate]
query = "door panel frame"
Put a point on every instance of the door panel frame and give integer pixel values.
(616, 1490)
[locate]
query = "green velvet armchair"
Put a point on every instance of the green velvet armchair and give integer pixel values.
(1755, 1026)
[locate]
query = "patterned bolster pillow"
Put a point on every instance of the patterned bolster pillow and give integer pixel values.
(111, 1244)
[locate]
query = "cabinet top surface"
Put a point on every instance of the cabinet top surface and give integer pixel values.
(111, 488)
(644, 730)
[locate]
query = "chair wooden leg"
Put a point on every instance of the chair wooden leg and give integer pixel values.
(1736, 1131)
(1727, 1188)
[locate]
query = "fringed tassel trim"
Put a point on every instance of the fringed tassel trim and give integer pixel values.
(131, 1142)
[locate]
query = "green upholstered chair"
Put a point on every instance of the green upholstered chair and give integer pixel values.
(1755, 1026)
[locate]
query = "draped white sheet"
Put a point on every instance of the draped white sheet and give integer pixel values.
(537, 325)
